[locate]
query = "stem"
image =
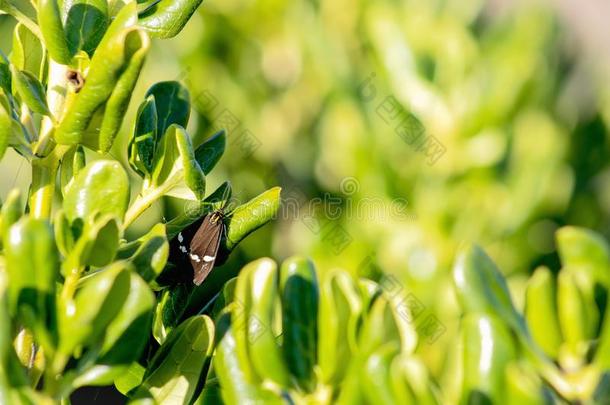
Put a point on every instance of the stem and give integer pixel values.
(44, 173)
(142, 202)
(70, 283)
(23, 19)
(43, 187)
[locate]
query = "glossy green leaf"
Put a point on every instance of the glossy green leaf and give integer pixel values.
(65, 234)
(524, 386)
(31, 92)
(131, 379)
(6, 347)
(541, 311)
(488, 348)
(96, 304)
(168, 17)
(137, 45)
(411, 382)
(148, 254)
(235, 385)
(224, 298)
(6, 128)
(26, 351)
(104, 235)
(32, 267)
(100, 187)
(375, 375)
(119, 54)
(250, 216)
(28, 53)
(97, 375)
(128, 333)
(585, 252)
(11, 211)
(176, 171)
(5, 75)
(175, 370)
(577, 317)
(256, 291)
(71, 163)
(170, 309)
(299, 295)
(380, 326)
(142, 144)
(86, 22)
(211, 150)
(92, 243)
(51, 27)
(340, 313)
(172, 104)
(481, 287)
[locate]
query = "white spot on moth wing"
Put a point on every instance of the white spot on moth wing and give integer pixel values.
(180, 237)
(208, 259)
(195, 257)
(183, 249)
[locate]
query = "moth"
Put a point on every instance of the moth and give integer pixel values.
(199, 243)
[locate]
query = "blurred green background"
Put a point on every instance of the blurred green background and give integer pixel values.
(515, 92)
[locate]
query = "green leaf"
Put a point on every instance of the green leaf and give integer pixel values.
(586, 253)
(6, 123)
(104, 235)
(86, 23)
(71, 163)
(411, 382)
(118, 55)
(211, 150)
(170, 309)
(28, 53)
(481, 287)
(577, 315)
(129, 331)
(250, 216)
(168, 17)
(5, 75)
(380, 326)
(256, 298)
(178, 366)
(340, 314)
(93, 243)
(100, 187)
(176, 171)
(524, 386)
(51, 27)
(31, 92)
(131, 379)
(541, 311)
(172, 103)
(137, 45)
(32, 267)
(488, 348)
(96, 304)
(143, 142)
(11, 211)
(148, 254)
(375, 375)
(300, 294)
(235, 384)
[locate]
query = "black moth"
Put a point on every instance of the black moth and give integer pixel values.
(198, 244)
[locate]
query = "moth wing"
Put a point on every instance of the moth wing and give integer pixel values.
(204, 249)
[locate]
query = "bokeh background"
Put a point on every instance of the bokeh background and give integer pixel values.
(514, 93)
